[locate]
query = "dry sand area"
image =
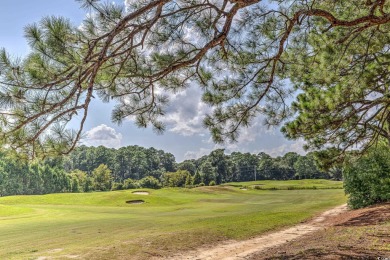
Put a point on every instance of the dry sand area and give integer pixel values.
(140, 192)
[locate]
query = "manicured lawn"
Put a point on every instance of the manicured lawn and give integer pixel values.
(103, 226)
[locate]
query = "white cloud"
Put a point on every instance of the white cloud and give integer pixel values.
(296, 146)
(186, 112)
(255, 139)
(103, 135)
(197, 154)
(247, 136)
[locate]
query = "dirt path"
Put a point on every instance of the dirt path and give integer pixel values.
(242, 249)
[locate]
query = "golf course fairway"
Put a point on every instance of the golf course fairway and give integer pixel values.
(105, 225)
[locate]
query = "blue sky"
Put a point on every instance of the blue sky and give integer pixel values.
(185, 137)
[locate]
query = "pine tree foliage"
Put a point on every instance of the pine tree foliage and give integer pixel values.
(240, 52)
(343, 74)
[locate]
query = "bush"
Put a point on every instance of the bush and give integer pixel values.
(102, 178)
(212, 183)
(179, 178)
(130, 184)
(367, 179)
(197, 179)
(117, 186)
(201, 184)
(149, 182)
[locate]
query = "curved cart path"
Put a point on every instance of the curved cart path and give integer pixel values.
(241, 249)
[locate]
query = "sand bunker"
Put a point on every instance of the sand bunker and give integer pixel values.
(140, 192)
(135, 201)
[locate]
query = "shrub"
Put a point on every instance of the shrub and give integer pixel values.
(149, 182)
(212, 183)
(201, 184)
(197, 179)
(130, 184)
(75, 185)
(102, 178)
(117, 186)
(367, 179)
(179, 178)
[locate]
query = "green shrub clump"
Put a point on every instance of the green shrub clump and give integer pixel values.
(130, 184)
(367, 178)
(149, 182)
(117, 186)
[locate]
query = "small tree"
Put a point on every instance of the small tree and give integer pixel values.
(117, 186)
(130, 184)
(102, 178)
(75, 185)
(367, 179)
(197, 178)
(189, 180)
(2, 182)
(81, 178)
(208, 172)
(88, 186)
(176, 179)
(149, 182)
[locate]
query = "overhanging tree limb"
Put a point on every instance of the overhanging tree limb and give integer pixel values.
(157, 46)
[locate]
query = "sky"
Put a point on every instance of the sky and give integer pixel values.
(185, 137)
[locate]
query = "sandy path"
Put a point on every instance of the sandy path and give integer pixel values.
(242, 249)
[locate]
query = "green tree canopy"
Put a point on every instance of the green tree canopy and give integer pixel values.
(241, 52)
(367, 178)
(102, 178)
(306, 168)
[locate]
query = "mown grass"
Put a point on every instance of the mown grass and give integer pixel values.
(102, 226)
(289, 185)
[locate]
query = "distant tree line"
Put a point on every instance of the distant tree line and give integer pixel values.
(131, 162)
(136, 163)
(220, 168)
(102, 169)
(366, 179)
